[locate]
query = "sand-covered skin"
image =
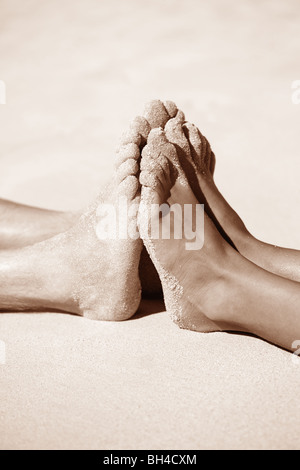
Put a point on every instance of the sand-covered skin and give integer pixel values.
(183, 273)
(72, 87)
(197, 155)
(103, 269)
(156, 115)
(201, 152)
(95, 268)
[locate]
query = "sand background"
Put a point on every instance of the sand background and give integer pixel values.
(76, 72)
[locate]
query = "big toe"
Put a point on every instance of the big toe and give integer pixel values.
(158, 113)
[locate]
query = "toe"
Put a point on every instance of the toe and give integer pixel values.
(159, 146)
(212, 165)
(156, 184)
(156, 114)
(126, 152)
(132, 136)
(175, 134)
(200, 148)
(171, 108)
(157, 137)
(197, 144)
(148, 179)
(180, 117)
(141, 126)
(129, 187)
(157, 165)
(129, 167)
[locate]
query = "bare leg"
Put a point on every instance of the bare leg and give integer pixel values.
(78, 271)
(198, 162)
(35, 278)
(22, 225)
(214, 288)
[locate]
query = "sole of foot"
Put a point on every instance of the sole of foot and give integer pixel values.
(156, 114)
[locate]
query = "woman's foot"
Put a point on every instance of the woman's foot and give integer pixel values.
(198, 162)
(197, 284)
(156, 114)
(212, 288)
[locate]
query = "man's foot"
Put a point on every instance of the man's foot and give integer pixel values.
(98, 258)
(91, 269)
(196, 283)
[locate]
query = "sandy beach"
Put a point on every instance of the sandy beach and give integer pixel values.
(76, 73)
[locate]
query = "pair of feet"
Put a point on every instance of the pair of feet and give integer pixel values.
(162, 159)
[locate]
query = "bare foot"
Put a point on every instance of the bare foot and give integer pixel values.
(196, 283)
(89, 270)
(98, 270)
(198, 162)
(213, 288)
(108, 274)
(156, 114)
(85, 270)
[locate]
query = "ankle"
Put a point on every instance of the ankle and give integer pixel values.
(52, 275)
(244, 241)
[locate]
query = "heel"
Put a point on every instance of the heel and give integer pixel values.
(191, 318)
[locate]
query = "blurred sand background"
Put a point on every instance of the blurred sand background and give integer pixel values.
(76, 72)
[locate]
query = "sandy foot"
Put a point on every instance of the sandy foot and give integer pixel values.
(194, 281)
(198, 162)
(112, 272)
